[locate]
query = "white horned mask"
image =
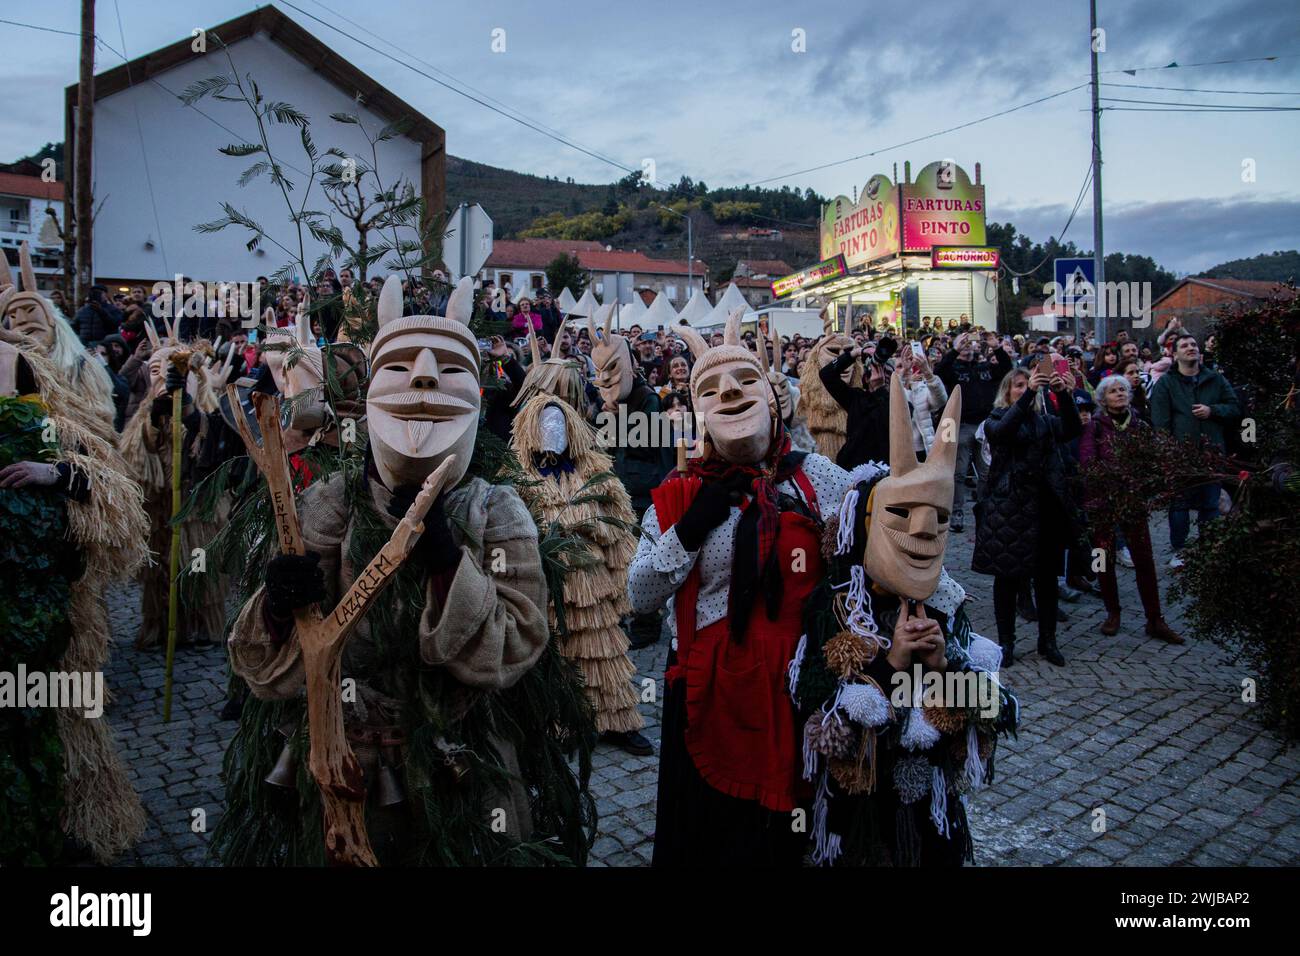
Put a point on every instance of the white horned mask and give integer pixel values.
(732, 397)
(423, 402)
(25, 310)
(612, 356)
(908, 531)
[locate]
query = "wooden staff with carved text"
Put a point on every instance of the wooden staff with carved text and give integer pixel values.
(322, 637)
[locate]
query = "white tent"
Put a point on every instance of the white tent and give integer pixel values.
(585, 306)
(731, 301)
(632, 314)
(696, 309)
(565, 301)
(660, 313)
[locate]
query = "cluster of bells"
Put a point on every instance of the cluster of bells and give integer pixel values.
(388, 788)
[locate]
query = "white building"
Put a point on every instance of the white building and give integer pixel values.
(23, 204)
(158, 172)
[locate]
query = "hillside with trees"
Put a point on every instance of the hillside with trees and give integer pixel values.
(1266, 267)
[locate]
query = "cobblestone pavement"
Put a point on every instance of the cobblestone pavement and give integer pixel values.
(1155, 736)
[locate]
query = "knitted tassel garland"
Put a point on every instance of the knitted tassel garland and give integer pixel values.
(939, 802)
(974, 766)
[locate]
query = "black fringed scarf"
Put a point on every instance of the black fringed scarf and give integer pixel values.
(754, 563)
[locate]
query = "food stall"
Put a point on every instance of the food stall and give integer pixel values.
(902, 251)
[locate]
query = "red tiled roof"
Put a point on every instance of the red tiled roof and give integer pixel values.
(534, 253)
(12, 184)
(538, 254)
(1256, 288)
(749, 282)
(616, 261)
(1247, 288)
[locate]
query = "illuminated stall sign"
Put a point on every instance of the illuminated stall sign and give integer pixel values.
(864, 231)
(814, 275)
(964, 257)
(942, 208)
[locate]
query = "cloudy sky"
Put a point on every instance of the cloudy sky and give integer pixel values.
(719, 92)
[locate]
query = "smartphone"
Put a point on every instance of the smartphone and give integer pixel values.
(918, 350)
(1045, 365)
(1061, 366)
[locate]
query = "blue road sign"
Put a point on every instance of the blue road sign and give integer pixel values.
(1076, 281)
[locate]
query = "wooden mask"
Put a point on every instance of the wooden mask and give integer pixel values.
(908, 530)
(423, 402)
(25, 311)
(612, 355)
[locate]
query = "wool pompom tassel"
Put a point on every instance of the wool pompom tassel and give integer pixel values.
(912, 779)
(857, 777)
(974, 767)
(939, 803)
(984, 654)
(865, 704)
(792, 671)
(918, 733)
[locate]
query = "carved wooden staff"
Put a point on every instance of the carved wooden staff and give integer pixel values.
(322, 637)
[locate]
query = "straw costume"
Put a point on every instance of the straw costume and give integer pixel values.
(63, 543)
(568, 484)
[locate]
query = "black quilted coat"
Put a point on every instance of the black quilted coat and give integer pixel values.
(1026, 484)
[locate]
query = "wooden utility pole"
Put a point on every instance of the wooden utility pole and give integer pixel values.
(84, 145)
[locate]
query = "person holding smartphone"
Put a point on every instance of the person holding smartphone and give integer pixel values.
(1026, 514)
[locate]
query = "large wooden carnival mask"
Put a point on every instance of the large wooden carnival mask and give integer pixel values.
(908, 531)
(423, 402)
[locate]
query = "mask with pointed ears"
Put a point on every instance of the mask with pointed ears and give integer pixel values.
(25, 310)
(908, 530)
(732, 397)
(423, 402)
(612, 356)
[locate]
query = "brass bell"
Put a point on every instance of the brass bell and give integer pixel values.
(285, 771)
(389, 791)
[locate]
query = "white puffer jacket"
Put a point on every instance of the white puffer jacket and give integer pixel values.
(927, 398)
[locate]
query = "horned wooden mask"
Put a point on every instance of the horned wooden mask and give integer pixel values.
(732, 397)
(780, 384)
(423, 402)
(908, 531)
(612, 356)
(25, 310)
(159, 356)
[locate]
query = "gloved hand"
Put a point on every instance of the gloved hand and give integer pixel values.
(710, 508)
(162, 405)
(293, 581)
(435, 548)
(175, 380)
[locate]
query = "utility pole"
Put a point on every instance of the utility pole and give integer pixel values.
(84, 146)
(1098, 253)
(690, 256)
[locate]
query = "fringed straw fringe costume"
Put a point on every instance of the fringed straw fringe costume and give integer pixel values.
(148, 453)
(100, 808)
(595, 597)
(826, 418)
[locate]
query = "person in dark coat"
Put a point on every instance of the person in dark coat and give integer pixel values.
(97, 318)
(978, 375)
(1027, 515)
(499, 412)
(867, 429)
